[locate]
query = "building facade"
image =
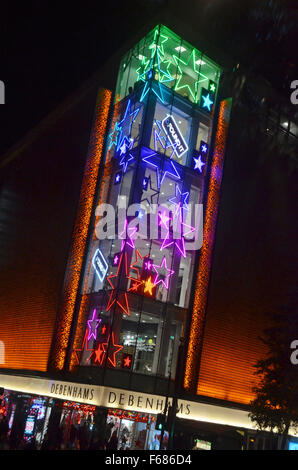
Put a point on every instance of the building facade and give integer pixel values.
(125, 336)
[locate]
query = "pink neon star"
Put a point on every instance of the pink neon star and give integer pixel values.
(93, 325)
(162, 267)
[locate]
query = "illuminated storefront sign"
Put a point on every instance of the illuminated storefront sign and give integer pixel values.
(100, 265)
(202, 445)
(126, 400)
(174, 135)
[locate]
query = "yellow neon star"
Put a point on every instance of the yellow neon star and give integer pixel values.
(149, 286)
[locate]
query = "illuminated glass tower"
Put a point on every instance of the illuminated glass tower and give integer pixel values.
(137, 286)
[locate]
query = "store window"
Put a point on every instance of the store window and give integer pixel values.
(177, 132)
(131, 430)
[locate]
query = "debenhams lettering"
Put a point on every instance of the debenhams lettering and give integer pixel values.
(72, 391)
(146, 403)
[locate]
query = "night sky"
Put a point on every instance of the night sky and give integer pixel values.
(48, 49)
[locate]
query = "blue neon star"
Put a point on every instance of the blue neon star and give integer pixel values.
(125, 161)
(128, 120)
(207, 102)
(180, 196)
(169, 168)
(198, 163)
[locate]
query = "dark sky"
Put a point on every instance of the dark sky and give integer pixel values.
(48, 49)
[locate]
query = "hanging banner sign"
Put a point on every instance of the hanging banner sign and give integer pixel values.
(174, 135)
(100, 265)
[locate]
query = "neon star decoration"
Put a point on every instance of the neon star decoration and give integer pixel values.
(83, 349)
(212, 86)
(149, 192)
(162, 273)
(99, 354)
(126, 144)
(112, 349)
(206, 102)
(118, 177)
(127, 122)
(120, 139)
(116, 259)
(113, 138)
(151, 68)
(179, 227)
(180, 196)
(118, 297)
(184, 77)
(93, 325)
(126, 361)
(169, 167)
(148, 264)
(148, 286)
(127, 239)
(154, 45)
(198, 164)
(204, 147)
(125, 161)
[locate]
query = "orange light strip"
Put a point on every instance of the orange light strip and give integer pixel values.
(80, 231)
(201, 290)
(103, 193)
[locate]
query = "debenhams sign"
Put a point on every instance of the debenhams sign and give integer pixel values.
(124, 399)
(114, 398)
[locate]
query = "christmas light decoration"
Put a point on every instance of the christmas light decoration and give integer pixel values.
(200, 295)
(83, 349)
(198, 164)
(179, 197)
(154, 160)
(151, 68)
(93, 325)
(162, 271)
(206, 100)
(182, 82)
(80, 231)
(111, 348)
(126, 362)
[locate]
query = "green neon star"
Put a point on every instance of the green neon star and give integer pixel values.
(181, 83)
(158, 47)
(212, 87)
(143, 67)
(153, 67)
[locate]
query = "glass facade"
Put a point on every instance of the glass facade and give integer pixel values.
(140, 261)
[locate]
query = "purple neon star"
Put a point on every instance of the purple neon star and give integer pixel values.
(163, 271)
(93, 325)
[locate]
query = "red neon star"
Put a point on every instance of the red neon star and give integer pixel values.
(136, 282)
(99, 354)
(126, 361)
(133, 267)
(122, 300)
(108, 348)
(103, 330)
(84, 348)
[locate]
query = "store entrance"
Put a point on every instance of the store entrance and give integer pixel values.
(131, 430)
